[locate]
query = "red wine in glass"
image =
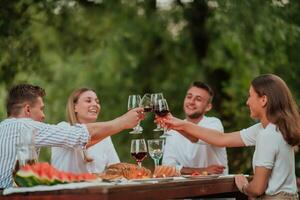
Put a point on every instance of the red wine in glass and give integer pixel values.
(155, 103)
(139, 156)
(146, 103)
(162, 110)
(162, 113)
(138, 150)
(147, 109)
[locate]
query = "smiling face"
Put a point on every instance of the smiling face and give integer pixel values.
(196, 103)
(87, 108)
(256, 104)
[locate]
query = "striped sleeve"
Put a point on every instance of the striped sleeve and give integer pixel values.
(46, 135)
(9, 137)
(59, 136)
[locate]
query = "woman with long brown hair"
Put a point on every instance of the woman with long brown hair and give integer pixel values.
(84, 107)
(271, 102)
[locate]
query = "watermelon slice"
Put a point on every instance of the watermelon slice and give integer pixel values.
(45, 174)
(89, 177)
(26, 177)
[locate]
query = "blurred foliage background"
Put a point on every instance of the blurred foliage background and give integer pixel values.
(123, 47)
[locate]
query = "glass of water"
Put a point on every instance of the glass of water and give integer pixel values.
(156, 149)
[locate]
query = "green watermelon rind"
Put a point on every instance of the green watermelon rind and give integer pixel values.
(55, 180)
(26, 179)
(43, 180)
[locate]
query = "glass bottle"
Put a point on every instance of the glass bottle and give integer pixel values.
(26, 152)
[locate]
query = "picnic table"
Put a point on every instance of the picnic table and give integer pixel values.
(181, 188)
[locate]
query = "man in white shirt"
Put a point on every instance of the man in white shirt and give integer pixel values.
(25, 110)
(191, 155)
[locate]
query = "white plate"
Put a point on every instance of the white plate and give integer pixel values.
(201, 176)
(153, 179)
(232, 175)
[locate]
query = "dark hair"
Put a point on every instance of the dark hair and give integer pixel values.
(205, 87)
(20, 94)
(282, 109)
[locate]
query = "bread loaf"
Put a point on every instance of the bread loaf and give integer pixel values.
(165, 171)
(125, 170)
(132, 171)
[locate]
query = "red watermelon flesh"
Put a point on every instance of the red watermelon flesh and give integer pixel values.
(45, 174)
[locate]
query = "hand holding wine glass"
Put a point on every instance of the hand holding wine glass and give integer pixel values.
(138, 150)
(154, 99)
(162, 109)
(134, 102)
(131, 118)
(171, 122)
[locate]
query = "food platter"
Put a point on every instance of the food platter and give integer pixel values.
(211, 176)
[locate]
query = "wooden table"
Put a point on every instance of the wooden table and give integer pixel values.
(188, 188)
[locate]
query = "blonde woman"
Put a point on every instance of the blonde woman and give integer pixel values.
(271, 102)
(84, 107)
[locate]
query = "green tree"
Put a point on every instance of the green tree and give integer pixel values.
(125, 47)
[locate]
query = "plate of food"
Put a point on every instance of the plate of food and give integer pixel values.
(153, 179)
(201, 176)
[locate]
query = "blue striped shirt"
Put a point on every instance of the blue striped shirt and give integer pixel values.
(46, 135)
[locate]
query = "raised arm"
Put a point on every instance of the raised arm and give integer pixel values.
(210, 136)
(100, 130)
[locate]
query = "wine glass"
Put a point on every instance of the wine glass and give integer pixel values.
(156, 149)
(134, 102)
(154, 99)
(146, 103)
(138, 150)
(162, 109)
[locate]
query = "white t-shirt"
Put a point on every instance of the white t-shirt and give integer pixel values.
(71, 159)
(181, 152)
(272, 152)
